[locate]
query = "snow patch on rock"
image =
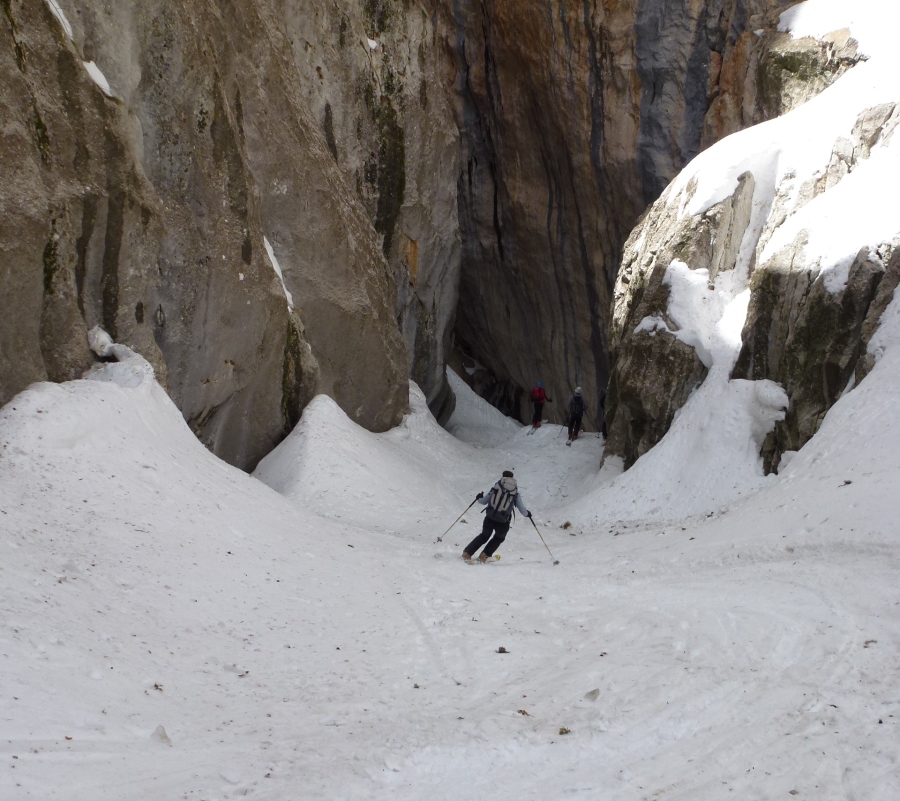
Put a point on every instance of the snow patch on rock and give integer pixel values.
(98, 77)
(277, 267)
(60, 17)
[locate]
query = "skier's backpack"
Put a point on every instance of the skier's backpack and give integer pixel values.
(502, 499)
(576, 405)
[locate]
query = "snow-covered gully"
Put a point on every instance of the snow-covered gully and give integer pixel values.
(174, 628)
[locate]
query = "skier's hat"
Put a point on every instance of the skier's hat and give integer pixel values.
(507, 474)
(577, 390)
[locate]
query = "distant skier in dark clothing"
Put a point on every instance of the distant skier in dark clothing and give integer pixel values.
(538, 399)
(575, 409)
(500, 500)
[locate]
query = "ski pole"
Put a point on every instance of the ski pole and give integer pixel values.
(441, 538)
(555, 561)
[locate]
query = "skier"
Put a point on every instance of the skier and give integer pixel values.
(499, 501)
(576, 412)
(538, 399)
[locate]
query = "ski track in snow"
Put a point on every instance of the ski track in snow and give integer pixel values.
(144, 583)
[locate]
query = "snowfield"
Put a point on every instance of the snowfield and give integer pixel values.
(173, 628)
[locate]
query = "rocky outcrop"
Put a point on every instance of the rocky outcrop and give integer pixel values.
(655, 369)
(766, 74)
(810, 340)
(575, 116)
(809, 331)
(811, 311)
(271, 199)
(153, 152)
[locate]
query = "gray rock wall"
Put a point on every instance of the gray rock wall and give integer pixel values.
(378, 81)
(800, 332)
(396, 156)
(655, 372)
(146, 212)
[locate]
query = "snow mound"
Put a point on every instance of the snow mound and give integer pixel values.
(474, 420)
(170, 619)
(709, 458)
(332, 465)
(138, 571)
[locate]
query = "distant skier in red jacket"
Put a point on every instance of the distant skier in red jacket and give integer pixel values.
(538, 399)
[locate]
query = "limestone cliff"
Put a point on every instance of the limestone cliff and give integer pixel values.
(152, 153)
(269, 199)
(377, 79)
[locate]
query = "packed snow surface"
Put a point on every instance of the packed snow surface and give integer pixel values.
(174, 628)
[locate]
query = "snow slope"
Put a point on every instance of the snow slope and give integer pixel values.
(474, 421)
(402, 481)
(285, 655)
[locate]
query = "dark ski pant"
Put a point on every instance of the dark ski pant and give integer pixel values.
(538, 413)
(574, 425)
(495, 527)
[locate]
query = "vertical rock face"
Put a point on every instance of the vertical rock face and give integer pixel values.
(691, 58)
(152, 150)
(765, 76)
(575, 115)
(269, 199)
(377, 79)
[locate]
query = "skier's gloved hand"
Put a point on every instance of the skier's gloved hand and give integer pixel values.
(528, 514)
(479, 496)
